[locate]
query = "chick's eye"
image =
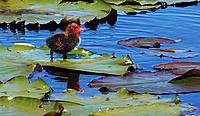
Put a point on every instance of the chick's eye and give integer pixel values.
(75, 27)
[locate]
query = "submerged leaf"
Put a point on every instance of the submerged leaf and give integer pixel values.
(149, 2)
(178, 68)
(147, 82)
(191, 76)
(152, 39)
(171, 52)
(145, 42)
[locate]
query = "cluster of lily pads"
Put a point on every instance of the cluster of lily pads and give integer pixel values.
(20, 97)
(36, 15)
(174, 77)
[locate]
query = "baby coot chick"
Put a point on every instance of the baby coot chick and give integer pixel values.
(65, 41)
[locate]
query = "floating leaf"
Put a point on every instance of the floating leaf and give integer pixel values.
(77, 51)
(178, 68)
(142, 110)
(89, 62)
(22, 46)
(13, 64)
(24, 106)
(122, 99)
(145, 42)
(103, 65)
(20, 86)
(146, 82)
(45, 11)
(80, 51)
(152, 40)
(171, 52)
(149, 2)
(133, 9)
(3, 47)
(192, 76)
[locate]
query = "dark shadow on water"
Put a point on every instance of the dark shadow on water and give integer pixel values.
(66, 76)
(70, 77)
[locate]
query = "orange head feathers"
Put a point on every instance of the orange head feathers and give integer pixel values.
(75, 27)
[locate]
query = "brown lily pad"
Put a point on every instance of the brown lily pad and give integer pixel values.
(189, 75)
(171, 52)
(178, 68)
(145, 42)
(147, 82)
(152, 39)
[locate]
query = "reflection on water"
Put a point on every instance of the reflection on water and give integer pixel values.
(173, 23)
(71, 78)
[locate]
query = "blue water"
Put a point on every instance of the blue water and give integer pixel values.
(173, 23)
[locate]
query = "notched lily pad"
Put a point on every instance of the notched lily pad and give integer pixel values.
(192, 76)
(145, 42)
(14, 64)
(143, 110)
(100, 64)
(146, 82)
(78, 51)
(178, 68)
(87, 61)
(3, 47)
(22, 46)
(20, 86)
(25, 106)
(171, 52)
(121, 100)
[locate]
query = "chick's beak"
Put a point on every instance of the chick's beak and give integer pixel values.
(80, 30)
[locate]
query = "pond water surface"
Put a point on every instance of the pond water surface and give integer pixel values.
(174, 23)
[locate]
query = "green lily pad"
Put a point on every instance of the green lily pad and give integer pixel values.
(103, 65)
(142, 110)
(22, 46)
(13, 64)
(147, 82)
(80, 51)
(3, 47)
(133, 9)
(122, 99)
(77, 51)
(25, 106)
(44, 47)
(89, 62)
(20, 86)
(44, 11)
(171, 52)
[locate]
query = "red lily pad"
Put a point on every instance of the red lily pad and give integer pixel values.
(152, 39)
(178, 68)
(189, 75)
(147, 82)
(145, 42)
(171, 52)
